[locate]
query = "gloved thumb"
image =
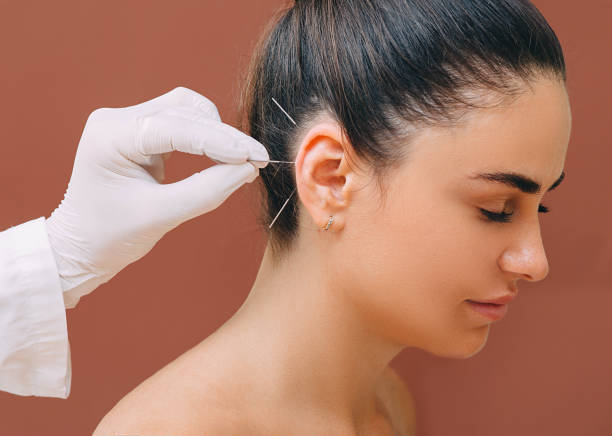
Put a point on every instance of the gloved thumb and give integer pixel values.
(204, 191)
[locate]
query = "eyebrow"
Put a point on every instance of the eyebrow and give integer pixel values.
(516, 180)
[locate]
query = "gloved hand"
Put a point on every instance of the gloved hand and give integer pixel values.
(116, 208)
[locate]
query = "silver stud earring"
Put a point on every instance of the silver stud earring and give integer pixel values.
(329, 223)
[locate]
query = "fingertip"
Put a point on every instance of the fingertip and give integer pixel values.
(258, 164)
(257, 152)
(255, 173)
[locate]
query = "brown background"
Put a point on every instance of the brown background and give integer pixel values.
(546, 367)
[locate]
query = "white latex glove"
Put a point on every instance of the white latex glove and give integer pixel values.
(116, 208)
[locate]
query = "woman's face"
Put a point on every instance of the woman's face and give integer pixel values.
(411, 262)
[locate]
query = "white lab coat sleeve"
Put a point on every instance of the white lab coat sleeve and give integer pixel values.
(34, 347)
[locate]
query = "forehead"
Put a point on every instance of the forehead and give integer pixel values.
(528, 136)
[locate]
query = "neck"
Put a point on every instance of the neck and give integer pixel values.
(299, 327)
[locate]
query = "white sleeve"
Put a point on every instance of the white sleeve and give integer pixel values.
(34, 347)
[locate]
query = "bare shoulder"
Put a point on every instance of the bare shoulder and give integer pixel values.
(162, 413)
(399, 403)
(152, 425)
(172, 401)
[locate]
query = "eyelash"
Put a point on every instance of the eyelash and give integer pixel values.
(503, 217)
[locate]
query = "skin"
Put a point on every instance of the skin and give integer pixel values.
(312, 342)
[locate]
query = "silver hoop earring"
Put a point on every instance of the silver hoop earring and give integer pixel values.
(329, 223)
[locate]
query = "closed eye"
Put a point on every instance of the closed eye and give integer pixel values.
(505, 217)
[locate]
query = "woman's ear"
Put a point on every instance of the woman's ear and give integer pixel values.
(324, 178)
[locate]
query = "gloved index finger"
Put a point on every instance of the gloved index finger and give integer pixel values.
(163, 133)
(180, 97)
(195, 115)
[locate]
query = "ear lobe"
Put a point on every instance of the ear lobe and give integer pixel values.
(323, 176)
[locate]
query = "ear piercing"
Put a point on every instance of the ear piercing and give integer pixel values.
(329, 223)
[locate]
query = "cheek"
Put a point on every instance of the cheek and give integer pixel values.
(410, 271)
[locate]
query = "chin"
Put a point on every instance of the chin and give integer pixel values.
(463, 347)
(478, 344)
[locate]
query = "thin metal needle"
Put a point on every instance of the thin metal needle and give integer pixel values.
(270, 161)
(256, 160)
(292, 192)
(281, 209)
(281, 108)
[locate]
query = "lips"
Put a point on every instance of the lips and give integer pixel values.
(500, 300)
(490, 310)
(494, 308)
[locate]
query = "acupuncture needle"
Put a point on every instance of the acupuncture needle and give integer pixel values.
(256, 160)
(270, 161)
(275, 161)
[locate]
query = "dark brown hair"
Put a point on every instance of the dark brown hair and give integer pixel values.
(383, 69)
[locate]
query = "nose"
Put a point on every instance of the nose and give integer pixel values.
(526, 258)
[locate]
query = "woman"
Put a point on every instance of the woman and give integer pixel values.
(458, 111)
